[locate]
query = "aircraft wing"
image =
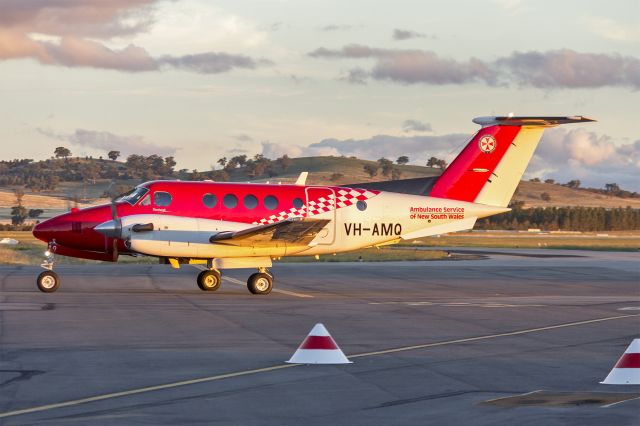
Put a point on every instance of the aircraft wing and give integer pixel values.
(293, 231)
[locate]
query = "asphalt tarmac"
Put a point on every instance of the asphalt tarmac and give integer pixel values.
(432, 343)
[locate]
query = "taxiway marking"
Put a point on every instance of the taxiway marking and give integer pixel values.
(283, 366)
(275, 290)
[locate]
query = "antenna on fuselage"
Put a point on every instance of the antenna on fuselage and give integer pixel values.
(302, 179)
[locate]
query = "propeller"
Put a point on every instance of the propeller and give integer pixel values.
(117, 228)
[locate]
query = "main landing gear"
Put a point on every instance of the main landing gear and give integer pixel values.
(259, 283)
(48, 281)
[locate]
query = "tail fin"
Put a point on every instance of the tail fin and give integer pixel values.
(490, 167)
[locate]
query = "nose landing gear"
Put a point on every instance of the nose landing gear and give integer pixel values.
(48, 281)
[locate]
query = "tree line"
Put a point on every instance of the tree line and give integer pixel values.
(564, 218)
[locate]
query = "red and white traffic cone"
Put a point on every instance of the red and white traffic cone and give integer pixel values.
(627, 369)
(319, 348)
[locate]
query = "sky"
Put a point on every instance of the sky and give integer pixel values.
(203, 79)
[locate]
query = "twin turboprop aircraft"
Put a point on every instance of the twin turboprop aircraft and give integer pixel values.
(237, 225)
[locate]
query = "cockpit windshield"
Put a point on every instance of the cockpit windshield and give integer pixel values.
(133, 196)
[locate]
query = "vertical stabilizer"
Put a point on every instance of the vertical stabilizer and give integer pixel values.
(490, 167)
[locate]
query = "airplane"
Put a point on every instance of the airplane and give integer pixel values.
(225, 225)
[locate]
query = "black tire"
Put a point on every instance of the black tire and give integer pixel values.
(48, 281)
(209, 280)
(260, 283)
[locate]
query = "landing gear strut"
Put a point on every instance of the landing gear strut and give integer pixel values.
(48, 281)
(209, 280)
(260, 282)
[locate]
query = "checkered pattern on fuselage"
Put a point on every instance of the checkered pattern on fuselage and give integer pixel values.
(342, 197)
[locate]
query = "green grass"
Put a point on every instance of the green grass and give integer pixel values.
(613, 242)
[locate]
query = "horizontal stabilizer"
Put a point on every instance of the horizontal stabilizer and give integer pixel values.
(530, 121)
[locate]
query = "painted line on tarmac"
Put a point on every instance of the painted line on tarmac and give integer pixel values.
(114, 395)
(275, 290)
(491, 336)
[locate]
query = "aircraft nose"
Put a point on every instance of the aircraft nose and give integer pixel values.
(50, 229)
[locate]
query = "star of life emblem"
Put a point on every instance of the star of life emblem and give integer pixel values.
(487, 144)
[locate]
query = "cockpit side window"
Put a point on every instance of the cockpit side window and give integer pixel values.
(133, 196)
(146, 201)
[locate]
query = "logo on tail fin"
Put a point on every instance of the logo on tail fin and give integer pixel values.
(487, 144)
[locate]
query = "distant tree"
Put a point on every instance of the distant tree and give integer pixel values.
(169, 164)
(371, 169)
(34, 213)
(113, 155)
(387, 166)
(550, 181)
(612, 188)
(436, 162)
(403, 159)
(336, 177)
(516, 204)
(545, 196)
(18, 215)
(534, 180)
(222, 161)
(62, 152)
(18, 212)
(396, 174)
(575, 184)
(284, 162)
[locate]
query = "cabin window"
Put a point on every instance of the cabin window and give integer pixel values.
(298, 203)
(250, 201)
(146, 201)
(230, 201)
(361, 205)
(161, 198)
(270, 202)
(209, 200)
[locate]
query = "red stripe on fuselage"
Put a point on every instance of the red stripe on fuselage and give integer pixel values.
(319, 342)
(629, 361)
(459, 181)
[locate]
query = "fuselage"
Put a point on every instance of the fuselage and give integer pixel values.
(185, 213)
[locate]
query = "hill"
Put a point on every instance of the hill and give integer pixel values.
(54, 185)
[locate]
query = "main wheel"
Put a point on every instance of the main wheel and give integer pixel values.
(48, 281)
(209, 280)
(260, 283)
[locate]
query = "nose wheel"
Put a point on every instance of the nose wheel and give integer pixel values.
(48, 281)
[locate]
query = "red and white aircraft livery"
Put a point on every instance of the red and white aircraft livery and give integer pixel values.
(246, 225)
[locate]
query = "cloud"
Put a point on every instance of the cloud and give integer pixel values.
(569, 69)
(212, 62)
(68, 33)
(412, 66)
(101, 19)
(416, 126)
(590, 157)
(336, 27)
(400, 34)
(563, 155)
(243, 137)
(107, 141)
(612, 30)
(562, 68)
